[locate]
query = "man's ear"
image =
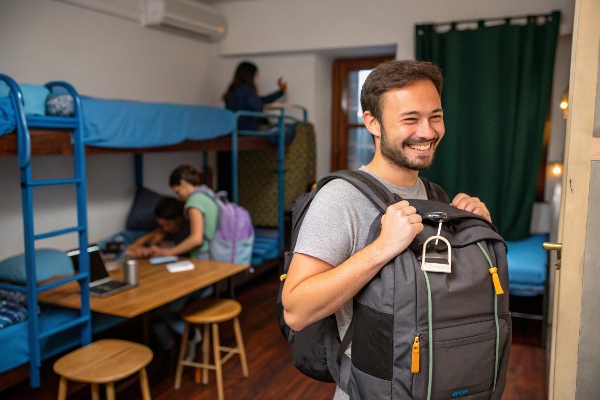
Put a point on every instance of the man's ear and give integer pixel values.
(372, 124)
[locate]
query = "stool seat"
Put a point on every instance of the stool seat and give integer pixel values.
(211, 311)
(104, 362)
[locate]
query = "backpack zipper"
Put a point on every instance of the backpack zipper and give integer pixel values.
(416, 355)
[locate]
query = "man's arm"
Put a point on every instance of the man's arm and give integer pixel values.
(136, 249)
(195, 238)
(314, 289)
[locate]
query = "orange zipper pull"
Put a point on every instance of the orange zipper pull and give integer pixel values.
(416, 353)
(496, 280)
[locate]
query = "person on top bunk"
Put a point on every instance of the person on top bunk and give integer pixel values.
(173, 229)
(241, 95)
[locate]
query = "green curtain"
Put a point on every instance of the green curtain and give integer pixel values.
(497, 83)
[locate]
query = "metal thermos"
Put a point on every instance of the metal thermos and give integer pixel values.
(130, 271)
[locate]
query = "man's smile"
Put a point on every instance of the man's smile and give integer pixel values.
(420, 146)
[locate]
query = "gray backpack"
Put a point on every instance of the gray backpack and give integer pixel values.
(417, 334)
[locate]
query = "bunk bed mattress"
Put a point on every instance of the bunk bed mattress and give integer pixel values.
(136, 124)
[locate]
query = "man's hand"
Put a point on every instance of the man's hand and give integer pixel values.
(399, 226)
(465, 202)
(156, 251)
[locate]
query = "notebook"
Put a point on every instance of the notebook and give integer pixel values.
(101, 284)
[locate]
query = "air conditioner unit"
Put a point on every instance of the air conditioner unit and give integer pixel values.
(184, 16)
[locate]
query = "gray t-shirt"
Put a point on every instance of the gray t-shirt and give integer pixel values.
(337, 225)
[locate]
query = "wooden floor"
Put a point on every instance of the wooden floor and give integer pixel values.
(272, 376)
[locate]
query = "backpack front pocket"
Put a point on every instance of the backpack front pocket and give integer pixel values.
(464, 360)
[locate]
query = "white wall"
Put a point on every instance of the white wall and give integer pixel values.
(274, 32)
(282, 26)
(104, 56)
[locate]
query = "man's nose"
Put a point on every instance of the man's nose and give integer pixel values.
(425, 130)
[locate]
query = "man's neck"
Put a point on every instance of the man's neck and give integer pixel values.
(399, 176)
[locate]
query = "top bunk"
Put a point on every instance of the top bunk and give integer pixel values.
(121, 126)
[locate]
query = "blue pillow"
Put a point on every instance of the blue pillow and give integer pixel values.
(34, 97)
(48, 262)
(141, 216)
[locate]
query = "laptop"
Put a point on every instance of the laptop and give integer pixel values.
(101, 284)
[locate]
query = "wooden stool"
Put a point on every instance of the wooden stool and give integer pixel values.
(207, 312)
(104, 361)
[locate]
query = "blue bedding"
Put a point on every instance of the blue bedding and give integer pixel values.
(527, 265)
(135, 124)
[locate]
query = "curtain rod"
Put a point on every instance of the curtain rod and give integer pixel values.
(471, 21)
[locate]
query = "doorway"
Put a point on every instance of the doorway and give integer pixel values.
(351, 143)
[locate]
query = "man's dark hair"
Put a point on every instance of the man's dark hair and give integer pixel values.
(244, 75)
(169, 208)
(185, 172)
(394, 75)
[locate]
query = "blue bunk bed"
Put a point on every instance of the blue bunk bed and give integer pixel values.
(39, 330)
(107, 126)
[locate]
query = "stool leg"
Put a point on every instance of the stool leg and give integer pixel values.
(62, 388)
(197, 369)
(144, 384)
(95, 391)
(218, 365)
(110, 391)
(240, 344)
(205, 353)
(182, 348)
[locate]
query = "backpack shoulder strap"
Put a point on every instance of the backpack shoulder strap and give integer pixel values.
(368, 185)
(435, 192)
(376, 191)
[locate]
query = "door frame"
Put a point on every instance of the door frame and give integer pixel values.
(339, 118)
(580, 149)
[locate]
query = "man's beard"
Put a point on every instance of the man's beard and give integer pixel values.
(395, 154)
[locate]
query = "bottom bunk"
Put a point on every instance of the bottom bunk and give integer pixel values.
(14, 338)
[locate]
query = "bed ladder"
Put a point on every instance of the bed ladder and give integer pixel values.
(75, 124)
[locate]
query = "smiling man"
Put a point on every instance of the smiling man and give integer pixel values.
(403, 111)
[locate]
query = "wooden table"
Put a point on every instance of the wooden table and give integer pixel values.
(157, 287)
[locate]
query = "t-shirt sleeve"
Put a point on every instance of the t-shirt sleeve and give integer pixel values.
(327, 232)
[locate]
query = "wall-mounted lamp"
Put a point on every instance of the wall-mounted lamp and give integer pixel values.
(556, 169)
(564, 103)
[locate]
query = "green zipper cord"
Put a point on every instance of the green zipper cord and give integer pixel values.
(430, 326)
(495, 319)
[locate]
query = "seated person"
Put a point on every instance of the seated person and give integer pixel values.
(203, 216)
(173, 229)
(201, 211)
(241, 95)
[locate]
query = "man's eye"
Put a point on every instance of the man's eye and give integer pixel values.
(410, 120)
(436, 117)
